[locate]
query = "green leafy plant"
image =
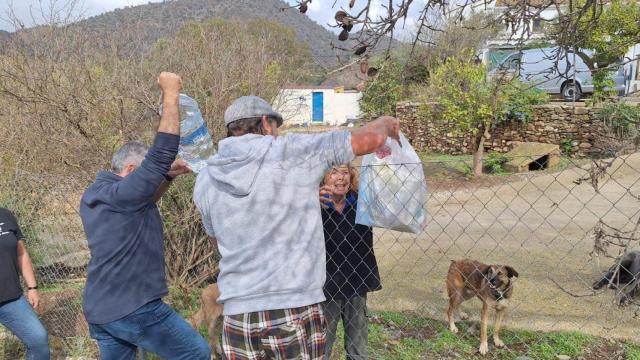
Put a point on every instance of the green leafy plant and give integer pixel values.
(620, 119)
(382, 93)
(470, 104)
(494, 163)
(467, 102)
(603, 85)
(566, 145)
(519, 100)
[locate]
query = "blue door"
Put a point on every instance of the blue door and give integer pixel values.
(317, 107)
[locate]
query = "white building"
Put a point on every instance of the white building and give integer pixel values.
(307, 105)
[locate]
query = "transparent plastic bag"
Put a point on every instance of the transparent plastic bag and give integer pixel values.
(393, 191)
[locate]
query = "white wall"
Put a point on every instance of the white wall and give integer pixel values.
(522, 32)
(295, 105)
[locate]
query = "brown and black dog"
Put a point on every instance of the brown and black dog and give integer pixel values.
(209, 316)
(492, 284)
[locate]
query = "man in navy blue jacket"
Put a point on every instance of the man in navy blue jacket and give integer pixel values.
(126, 275)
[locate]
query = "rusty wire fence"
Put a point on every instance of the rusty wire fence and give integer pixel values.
(560, 224)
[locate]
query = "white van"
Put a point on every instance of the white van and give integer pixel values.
(551, 70)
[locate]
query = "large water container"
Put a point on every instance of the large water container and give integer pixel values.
(196, 145)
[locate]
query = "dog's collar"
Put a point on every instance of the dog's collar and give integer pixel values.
(497, 294)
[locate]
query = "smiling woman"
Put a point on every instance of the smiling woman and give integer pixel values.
(352, 270)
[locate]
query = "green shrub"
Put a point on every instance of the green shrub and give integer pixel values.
(603, 84)
(466, 101)
(620, 119)
(566, 146)
(518, 101)
(494, 163)
(382, 93)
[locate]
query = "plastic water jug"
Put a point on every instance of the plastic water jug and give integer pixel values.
(196, 145)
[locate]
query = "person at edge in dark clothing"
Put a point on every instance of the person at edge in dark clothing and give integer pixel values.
(352, 270)
(17, 312)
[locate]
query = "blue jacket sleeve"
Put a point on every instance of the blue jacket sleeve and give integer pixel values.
(140, 186)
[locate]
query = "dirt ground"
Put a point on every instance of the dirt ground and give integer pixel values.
(540, 224)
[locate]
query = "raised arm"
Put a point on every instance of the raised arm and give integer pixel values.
(170, 84)
(373, 135)
(170, 124)
(144, 183)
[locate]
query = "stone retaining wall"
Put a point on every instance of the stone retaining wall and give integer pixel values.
(574, 129)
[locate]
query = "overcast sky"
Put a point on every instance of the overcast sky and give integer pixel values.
(319, 10)
(25, 8)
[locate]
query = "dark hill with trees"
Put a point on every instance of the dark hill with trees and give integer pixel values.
(145, 24)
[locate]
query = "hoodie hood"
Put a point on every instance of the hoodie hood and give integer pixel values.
(239, 160)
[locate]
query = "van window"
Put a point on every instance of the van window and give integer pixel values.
(514, 63)
(496, 57)
(511, 63)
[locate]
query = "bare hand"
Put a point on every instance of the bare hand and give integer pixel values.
(179, 167)
(169, 83)
(33, 298)
(393, 127)
(326, 195)
(373, 135)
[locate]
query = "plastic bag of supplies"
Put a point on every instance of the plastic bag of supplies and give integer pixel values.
(393, 191)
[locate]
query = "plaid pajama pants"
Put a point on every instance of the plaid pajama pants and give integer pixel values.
(275, 334)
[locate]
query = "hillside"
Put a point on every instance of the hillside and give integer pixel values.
(155, 20)
(137, 28)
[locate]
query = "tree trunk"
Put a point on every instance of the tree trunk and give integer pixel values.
(479, 151)
(587, 60)
(477, 158)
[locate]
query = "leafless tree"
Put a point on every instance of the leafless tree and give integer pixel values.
(372, 20)
(69, 97)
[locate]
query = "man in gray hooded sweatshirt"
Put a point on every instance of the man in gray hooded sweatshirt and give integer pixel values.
(258, 198)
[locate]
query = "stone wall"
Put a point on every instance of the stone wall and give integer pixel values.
(559, 124)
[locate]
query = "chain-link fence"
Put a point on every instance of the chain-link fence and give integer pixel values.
(551, 231)
(47, 211)
(560, 224)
